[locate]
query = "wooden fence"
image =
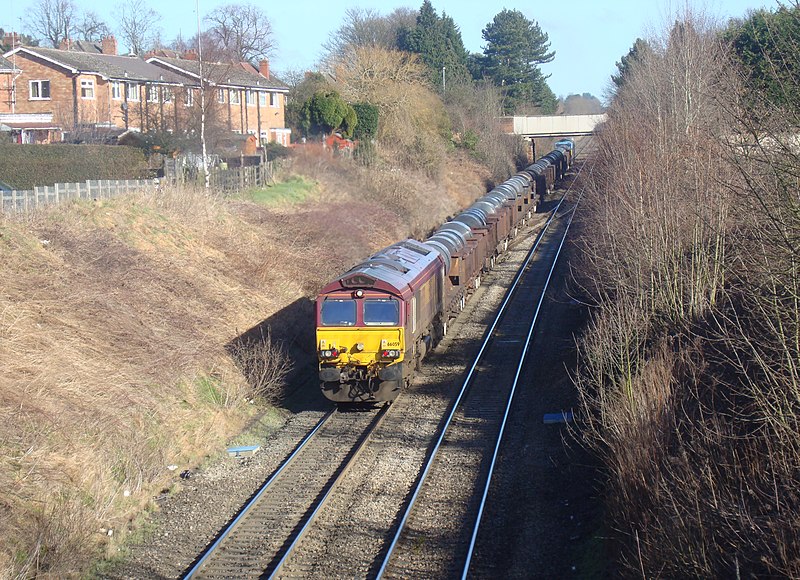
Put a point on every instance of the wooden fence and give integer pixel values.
(222, 180)
(25, 200)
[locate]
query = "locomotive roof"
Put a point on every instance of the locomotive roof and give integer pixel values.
(399, 269)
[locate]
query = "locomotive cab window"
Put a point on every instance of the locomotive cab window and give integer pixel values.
(339, 313)
(381, 312)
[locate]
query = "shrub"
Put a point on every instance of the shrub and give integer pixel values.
(367, 127)
(26, 166)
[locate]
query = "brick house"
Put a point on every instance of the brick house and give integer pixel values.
(7, 71)
(89, 86)
(249, 100)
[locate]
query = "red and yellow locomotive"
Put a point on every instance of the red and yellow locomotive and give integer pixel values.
(377, 321)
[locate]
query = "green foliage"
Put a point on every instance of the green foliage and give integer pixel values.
(367, 127)
(26, 166)
(636, 55)
(437, 40)
(296, 101)
(210, 390)
(766, 45)
(327, 112)
(293, 190)
(515, 47)
(275, 150)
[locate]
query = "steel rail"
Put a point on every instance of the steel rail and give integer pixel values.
(321, 502)
(520, 366)
(198, 565)
(456, 403)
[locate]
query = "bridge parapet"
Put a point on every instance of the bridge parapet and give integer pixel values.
(552, 125)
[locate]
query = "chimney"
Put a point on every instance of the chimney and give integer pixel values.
(11, 39)
(263, 68)
(65, 44)
(108, 45)
(190, 54)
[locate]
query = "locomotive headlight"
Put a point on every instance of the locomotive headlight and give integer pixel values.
(359, 293)
(326, 354)
(360, 346)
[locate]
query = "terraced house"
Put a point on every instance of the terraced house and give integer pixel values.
(84, 86)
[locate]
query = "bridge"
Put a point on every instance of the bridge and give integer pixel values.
(552, 125)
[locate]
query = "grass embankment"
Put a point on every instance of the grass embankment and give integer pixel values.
(120, 323)
(295, 189)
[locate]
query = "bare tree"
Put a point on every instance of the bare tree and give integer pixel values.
(91, 27)
(241, 31)
(53, 20)
(366, 28)
(138, 25)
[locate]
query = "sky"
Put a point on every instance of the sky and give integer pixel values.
(588, 36)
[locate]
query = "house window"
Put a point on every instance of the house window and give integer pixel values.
(262, 98)
(87, 88)
(167, 92)
(274, 100)
(250, 97)
(132, 91)
(39, 90)
(152, 93)
(235, 97)
(189, 97)
(221, 95)
(116, 90)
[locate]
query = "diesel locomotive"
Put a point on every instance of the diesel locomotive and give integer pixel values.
(377, 321)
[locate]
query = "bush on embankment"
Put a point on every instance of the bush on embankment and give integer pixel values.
(690, 369)
(27, 166)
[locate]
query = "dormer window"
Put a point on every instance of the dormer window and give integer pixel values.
(87, 88)
(39, 90)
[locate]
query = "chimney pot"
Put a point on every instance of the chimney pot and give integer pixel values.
(108, 45)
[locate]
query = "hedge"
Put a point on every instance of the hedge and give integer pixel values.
(26, 166)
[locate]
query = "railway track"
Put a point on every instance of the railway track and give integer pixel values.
(437, 530)
(284, 530)
(256, 540)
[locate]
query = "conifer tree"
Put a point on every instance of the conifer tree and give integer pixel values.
(515, 48)
(438, 42)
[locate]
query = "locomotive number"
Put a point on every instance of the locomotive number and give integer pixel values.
(391, 343)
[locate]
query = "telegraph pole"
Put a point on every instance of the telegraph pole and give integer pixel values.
(202, 98)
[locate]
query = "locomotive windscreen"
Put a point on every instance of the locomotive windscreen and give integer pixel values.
(381, 312)
(339, 313)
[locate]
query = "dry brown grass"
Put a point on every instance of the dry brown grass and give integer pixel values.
(125, 346)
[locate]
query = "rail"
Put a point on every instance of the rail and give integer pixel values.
(444, 430)
(463, 390)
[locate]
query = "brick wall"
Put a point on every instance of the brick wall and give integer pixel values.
(5, 92)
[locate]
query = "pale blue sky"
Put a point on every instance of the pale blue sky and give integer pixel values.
(589, 36)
